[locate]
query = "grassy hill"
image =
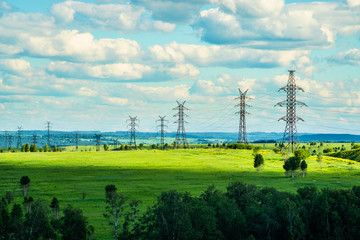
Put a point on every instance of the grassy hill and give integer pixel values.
(145, 174)
(353, 154)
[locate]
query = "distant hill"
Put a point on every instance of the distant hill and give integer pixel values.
(330, 137)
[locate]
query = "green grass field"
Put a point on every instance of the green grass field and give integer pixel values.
(145, 174)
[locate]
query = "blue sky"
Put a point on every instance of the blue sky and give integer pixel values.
(88, 65)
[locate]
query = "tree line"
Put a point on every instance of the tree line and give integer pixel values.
(242, 211)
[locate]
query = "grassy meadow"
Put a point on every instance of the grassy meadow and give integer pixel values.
(144, 174)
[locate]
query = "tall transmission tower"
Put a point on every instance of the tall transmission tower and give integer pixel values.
(162, 131)
(48, 126)
(242, 138)
(133, 126)
(97, 141)
(181, 134)
(34, 139)
(290, 134)
(19, 137)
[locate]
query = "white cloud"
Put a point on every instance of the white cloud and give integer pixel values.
(116, 101)
(353, 3)
(119, 17)
(115, 71)
(87, 92)
(202, 55)
(16, 66)
(183, 71)
(253, 8)
(351, 56)
(161, 93)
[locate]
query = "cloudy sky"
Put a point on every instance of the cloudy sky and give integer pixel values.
(88, 65)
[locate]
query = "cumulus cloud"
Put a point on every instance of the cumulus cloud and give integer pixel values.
(115, 71)
(351, 57)
(36, 35)
(119, 17)
(160, 93)
(202, 55)
(116, 101)
(272, 24)
(16, 66)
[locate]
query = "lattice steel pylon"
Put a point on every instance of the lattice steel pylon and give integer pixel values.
(34, 139)
(19, 137)
(133, 126)
(290, 133)
(242, 138)
(162, 130)
(181, 134)
(48, 126)
(97, 141)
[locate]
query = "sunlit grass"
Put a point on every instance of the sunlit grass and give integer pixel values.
(145, 174)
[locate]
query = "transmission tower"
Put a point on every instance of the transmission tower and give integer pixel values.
(242, 112)
(48, 126)
(162, 131)
(115, 143)
(132, 126)
(77, 140)
(19, 137)
(10, 138)
(6, 138)
(181, 134)
(290, 135)
(34, 139)
(97, 141)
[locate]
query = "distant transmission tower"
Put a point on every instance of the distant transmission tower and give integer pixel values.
(48, 126)
(34, 139)
(10, 138)
(77, 140)
(242, 112)
(132, 126)
(290, 135)
(181, 134)
(6, 139)
(19, 137)
(162, 130)
(115, 143)
(97, 141)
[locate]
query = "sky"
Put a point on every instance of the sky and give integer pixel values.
(89, 65)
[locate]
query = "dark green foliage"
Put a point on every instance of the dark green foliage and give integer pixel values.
(292, 164)
(302, 154)
(55, 205)
(25, 184)
(276, 150)
(353, 154)
(25, 148)
(9, 196)
(303, 167)
(258, 161)
(33, 148)
(74, 224)
(106, 147)
(56, 149)
(47, 148)
(41, 149)
(328, 150)
(127, 147)
(239, 146)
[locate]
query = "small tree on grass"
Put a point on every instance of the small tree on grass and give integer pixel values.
(25, 184)
(303, 167)
(47, 148)
(258, 162)
(292, 164)
(106, 147)
(256, 150)
(319, 159)
(115, 203)
(55, 207)
(33, 148)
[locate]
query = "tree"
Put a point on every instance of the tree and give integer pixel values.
(25, 184)
(25, 148)
(74, 224)
(56, 149)
(28, 201)
(115, 203)
(37, 224)
(256, 150)
(16, 225)
(293, 164)
(55, 206)
(258, 162)
(9, 196)
(303, 167)
(106, 147)
(302, 154)
(33, 148)
(47, 148)
(319, 159)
